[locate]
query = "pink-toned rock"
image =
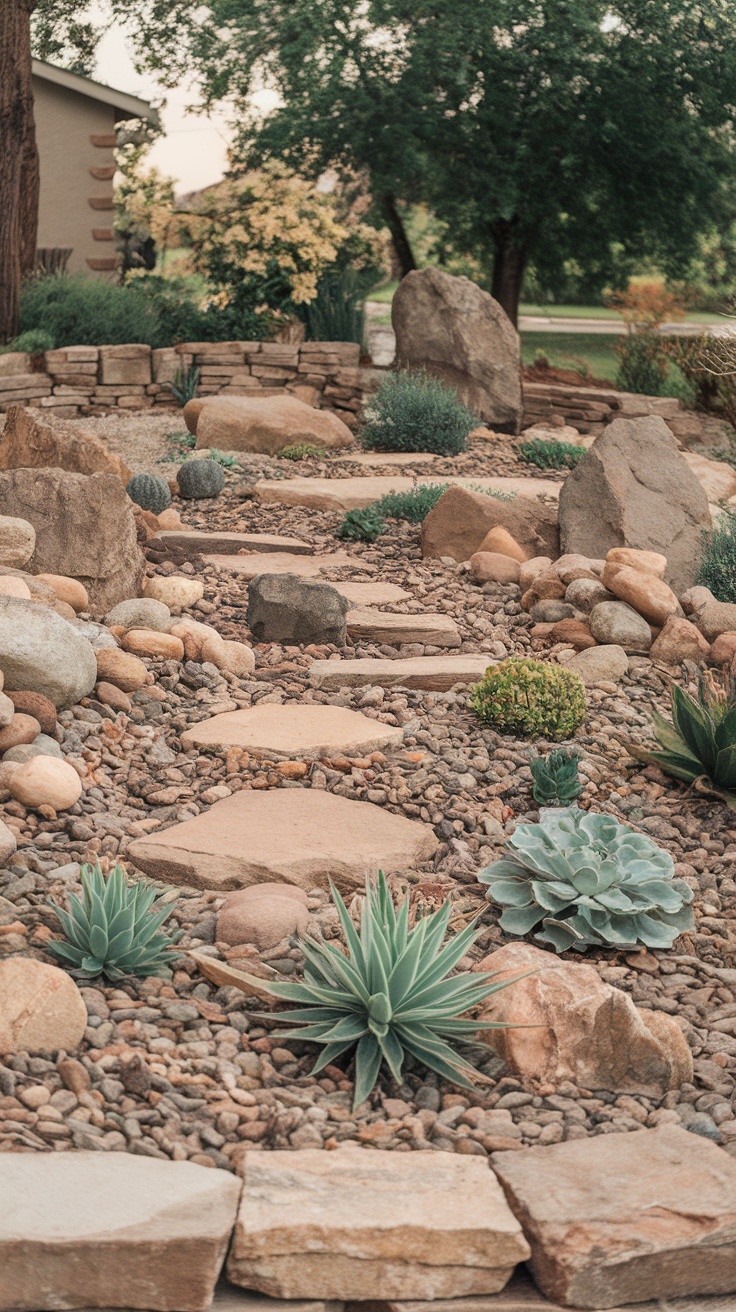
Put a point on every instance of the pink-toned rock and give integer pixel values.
(264, 424)
(531, 569)
(645, 593)
(149, 642)
(490, 567)
(679, 641)
(12, 587)
(120, 668)
(69, 590)
(574, 566)
(41, 1008)
(263, 915)
(584, 1030)
(113, 697)
(37, 706)
(175, 590)
(501, 542)
(169, 519)
(46, 781)
(573, 632)
(724, 649)
(546, 587)
(22, 729)
(651, 562)
(236, 657)
(459, 524)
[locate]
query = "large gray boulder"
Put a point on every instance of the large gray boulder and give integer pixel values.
(633, 489)
(287, 608)
(458, 333)
(85, 528)
(42, 652)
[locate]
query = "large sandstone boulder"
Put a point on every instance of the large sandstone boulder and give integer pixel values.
(29, 442)
(264, 424)
(458, 333)
(42, 652)
(461, 521)
(583, 1029)
(85, 528)
(634, 489)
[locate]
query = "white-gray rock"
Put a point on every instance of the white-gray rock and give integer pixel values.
(141, 613)
(607, 663)
(42, 652)
(613, 622)
(17, 541)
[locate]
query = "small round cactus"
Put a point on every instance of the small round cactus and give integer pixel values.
(149, 492)
(200, 478)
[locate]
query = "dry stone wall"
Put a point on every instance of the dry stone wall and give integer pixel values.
(590, 409)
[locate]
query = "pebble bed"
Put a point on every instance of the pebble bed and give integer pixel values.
(184, 1069)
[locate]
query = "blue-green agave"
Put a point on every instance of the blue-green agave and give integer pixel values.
(588, 880)
(699, 747)
(114, 929)
(391, 994)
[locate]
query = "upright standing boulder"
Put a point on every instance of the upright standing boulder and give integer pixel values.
(458, 333)
(634, 489)
(85, 528)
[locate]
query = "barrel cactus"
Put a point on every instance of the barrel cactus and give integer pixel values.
(200, 478)
(149, 492)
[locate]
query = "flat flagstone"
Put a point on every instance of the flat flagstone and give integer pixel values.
(520, 1295)
(198, 541)
(371, 594)
(230, 1299)
(355, 493)
(375, 459)
(301, 836)
(369, 1225)
(283, 562)
(626, 1217)
(431, 673)
(112, 1230)
(295, 731)
(391, 628)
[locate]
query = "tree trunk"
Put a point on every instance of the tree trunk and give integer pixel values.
(402, 245)
(509, 264)
(18, 210)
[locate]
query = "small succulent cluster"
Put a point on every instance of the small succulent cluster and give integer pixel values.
(198, 479)
(114, 929)
(588, 880)
(555, 778)
(149, 492)
(524, 696)
(700, 744)
(391, 996)
(361, 525)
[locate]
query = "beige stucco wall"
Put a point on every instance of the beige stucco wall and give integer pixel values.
(65, 122)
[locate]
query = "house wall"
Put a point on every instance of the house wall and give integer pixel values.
(76, 136)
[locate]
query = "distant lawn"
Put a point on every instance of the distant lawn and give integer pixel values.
(385, 296)
(591, 352)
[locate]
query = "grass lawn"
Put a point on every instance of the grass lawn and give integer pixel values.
(385, 296)
(582, 351)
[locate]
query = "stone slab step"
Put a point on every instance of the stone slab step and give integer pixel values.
(432, 673)
(371, 594)
(224, 544)
(355, 493)
(283, 562)
(365, 625)
(296, 731)
(301, 836)
(401, 459)
(520, 1295)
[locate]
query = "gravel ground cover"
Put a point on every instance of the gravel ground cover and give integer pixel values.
(190, 1069)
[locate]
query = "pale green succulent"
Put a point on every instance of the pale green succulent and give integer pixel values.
(588, 880)
(115, 928)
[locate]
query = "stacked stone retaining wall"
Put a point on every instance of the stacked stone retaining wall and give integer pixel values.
(589, 409)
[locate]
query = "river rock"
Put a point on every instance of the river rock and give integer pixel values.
(41, 652)
(150, 642)
(604, 664)
(70, 591)
(41, 1010)
(22, 729)
(35, 704)
(646, 593)
(461, 521)
(499, 540)
(613, 622)
(586, 593)
(679, 641)
(490, 567)
(45, 781)
(141, 613)
(651, 562)
(17, 540)
(262, 915)
(715, 618)
(286, 608)
(120, 668)
(176, 591)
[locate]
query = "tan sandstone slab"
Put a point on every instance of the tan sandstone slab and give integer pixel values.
(431, 673)
(355, 493)
(371, 594)
(284, 562)
(520, 1295)
(383, 626)
(294, 731)
(225, 544)
(297, 836)
(365, 1225)
(112, 1230)
(626, 1217)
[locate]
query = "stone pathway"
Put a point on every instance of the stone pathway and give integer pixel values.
(296, 731)
(355, 493)
(371, 594)
(197, 541)
(293, 835)
(282, 562)
(431, 673)
(394, 630)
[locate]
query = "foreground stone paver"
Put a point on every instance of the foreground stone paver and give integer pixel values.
(294, 731)
(520, 1295)
(626, 1217)
(360, 1225)
(371, 594)
(112, 1230)
(198, 540)
(383, 626)
(283, 562)
(354, 493)
(432, 673)
(296, 836)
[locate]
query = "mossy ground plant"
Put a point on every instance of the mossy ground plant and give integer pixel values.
(411, 411)
(551, 455)
(531, 698)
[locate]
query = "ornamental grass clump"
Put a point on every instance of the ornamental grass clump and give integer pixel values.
(390, 995)
(114, 929)
(589, 881)
(718, 563)
(523, 696)
(411, 411)
(699, 746)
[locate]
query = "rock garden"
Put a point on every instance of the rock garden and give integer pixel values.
(367, 806)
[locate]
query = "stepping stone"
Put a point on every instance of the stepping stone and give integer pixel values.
(626, 1217)
(357, 1225)
(301, 836)
(230, 1299)
(282, 562)
(382, 626)
(296, 731)
(112, 1230)
(372, 594)
(355, 493)
(432, 673)
(225, 544)
(375, 459)
(520, 1295)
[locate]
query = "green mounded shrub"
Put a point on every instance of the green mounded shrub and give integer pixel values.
(300, 451)
(361, 525)
(718, 563)
(589, 881)
(413, 505)
(35, 341)
(149, 492)
(114, 929)
(412, 411)
(643, 363)
(551, 455)
(198, 479)
(523, 696)
(75, 310)
(391, 995)
(699, 747)
(555, 776)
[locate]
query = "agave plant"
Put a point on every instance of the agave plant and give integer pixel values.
(185, 384)
(114, 928)
(699, 747)
(555, 776)
(390, 995)
(588, 880)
